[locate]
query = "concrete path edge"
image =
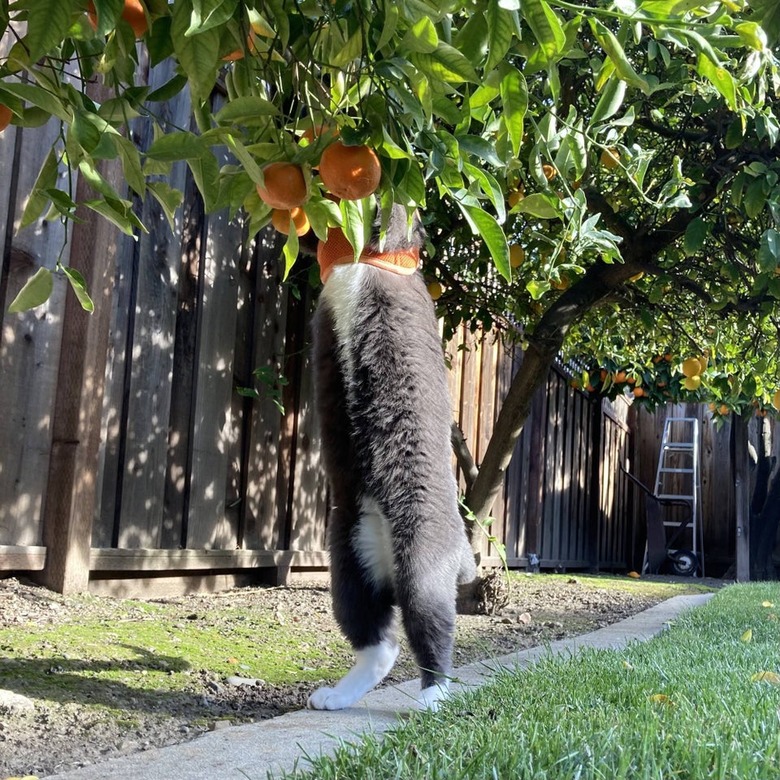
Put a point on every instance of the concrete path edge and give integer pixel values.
(257, 751)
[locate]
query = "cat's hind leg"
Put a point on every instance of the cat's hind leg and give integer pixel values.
(363, 604)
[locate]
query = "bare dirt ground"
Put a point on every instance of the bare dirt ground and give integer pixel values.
(41, 736)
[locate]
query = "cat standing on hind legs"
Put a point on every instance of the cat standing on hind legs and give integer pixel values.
(396, 535)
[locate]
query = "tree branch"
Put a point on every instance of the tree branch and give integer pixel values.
(463, 455)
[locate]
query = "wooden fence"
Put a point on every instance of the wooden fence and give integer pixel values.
(718, 470)
(127, 452)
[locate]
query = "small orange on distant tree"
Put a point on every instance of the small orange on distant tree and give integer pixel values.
(723, 409)
(350, 172)
(516, 255)
(435, 290)
(5, 117)
(610, 159)
(515, 196)
(133, 13)
(549, 171)
(284, 186)
(280, 219)
(639, 392)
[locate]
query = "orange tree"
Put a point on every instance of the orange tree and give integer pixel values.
(627, 146)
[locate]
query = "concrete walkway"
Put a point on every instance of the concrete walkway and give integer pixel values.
(251, 751)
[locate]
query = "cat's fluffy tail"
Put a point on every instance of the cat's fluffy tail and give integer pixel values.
(468, 567)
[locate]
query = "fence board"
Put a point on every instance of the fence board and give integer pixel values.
(209, 525)
(29, 351)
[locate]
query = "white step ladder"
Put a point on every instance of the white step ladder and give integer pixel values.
(678, 476)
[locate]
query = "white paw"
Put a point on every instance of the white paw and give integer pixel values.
(431, 697)
(328, 699)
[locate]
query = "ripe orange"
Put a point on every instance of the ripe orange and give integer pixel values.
(549, 171)
(5, 117)
(515, 196)
(619, 376)
(284, 186)
(280, 219)
(233, 56)
(639, 392)
(516, 255)
(133, 13)
(350, 172)
(435, 290)
(610, 159)
(723, 409)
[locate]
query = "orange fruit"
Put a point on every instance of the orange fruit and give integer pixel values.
(350, 172)
(514, 197)
(549, 171)
(691, 367)
(516, 255)
(610, 159)
(639, 392)
(620, 376)
(284, 186)
(236, 54)
(5, 117)
(723, 409)
(280, 219)
(692, 382)
(435, 290)
(133, 13)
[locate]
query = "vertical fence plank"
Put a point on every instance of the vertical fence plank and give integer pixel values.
(29, 347)
(263, 506)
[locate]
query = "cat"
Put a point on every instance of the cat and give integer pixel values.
(395, 533)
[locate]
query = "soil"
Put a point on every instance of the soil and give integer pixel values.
(42, 736)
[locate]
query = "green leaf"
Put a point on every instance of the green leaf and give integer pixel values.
(93, 177)
(245, 158)
(79, 287)
(131, 164)
(207, 14)
(290, 252)
(514, 97)
(755, 197)
(446, 64)
(320, 212)
(197, 54)
(36, 291)
(695, 235)
(617, 56)
(169, 90)
(85, 133)
(118, 212)
(177, 146)
(480, 147)
(610, 101)
(545, 26)
(486, 226)
(205, 171)
(38, 96)
(538, 205)
(489, 186)
(769, 250)
(358, 217)
(246, 110)
(421, 37)
(501, 27)
(720, 78)
(169, 198)
(752, 34)
(47, 24)
(389, 27)
(38, 200)
(537, 289)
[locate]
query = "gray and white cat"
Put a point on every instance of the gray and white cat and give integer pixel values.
(395, 533)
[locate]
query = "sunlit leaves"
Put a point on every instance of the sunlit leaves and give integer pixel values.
(546, 27)
(36, 291)
(197, 53)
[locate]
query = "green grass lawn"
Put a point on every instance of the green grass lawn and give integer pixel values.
(700, 701)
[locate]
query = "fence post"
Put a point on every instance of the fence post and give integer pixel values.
(72, 489)
(594, 490)
(739, 433)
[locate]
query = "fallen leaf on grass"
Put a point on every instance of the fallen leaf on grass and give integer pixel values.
(627, 665)
(635, 575)
(525, 618)
(768, 604)
(770, 677)
(747, 636)
(661, 698)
